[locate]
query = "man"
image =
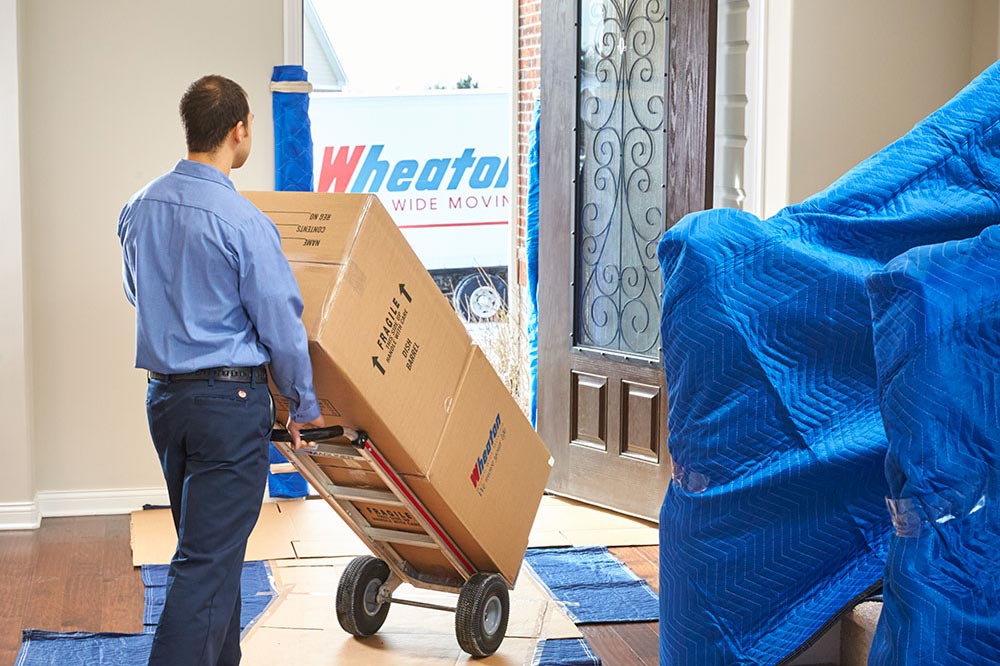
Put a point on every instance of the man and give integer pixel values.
(215, 303)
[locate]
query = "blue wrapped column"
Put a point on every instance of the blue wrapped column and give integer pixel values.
(293, 145)
(293, 172)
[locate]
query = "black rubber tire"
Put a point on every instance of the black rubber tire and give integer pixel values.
(475, 286)
(481, 615)
(356, 614)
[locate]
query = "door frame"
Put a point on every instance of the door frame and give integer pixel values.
(292, 25)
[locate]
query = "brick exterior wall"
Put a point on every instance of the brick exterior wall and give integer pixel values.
(529, 58)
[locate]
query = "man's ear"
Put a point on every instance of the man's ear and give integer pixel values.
(239, 132)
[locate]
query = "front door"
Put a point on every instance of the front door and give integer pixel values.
(625, 152)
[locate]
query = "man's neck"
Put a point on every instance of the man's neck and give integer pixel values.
(219, 159)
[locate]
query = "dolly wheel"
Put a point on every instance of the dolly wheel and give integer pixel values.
(358, 609)
(482, 613)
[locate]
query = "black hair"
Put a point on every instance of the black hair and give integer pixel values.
(210, 108)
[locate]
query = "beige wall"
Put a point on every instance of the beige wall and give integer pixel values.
(775, 105)
(17, 472)
(854, 75)
(100, 85)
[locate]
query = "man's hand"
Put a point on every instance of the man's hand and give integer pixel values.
(294, 427)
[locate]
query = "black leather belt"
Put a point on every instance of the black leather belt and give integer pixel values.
(246, 375)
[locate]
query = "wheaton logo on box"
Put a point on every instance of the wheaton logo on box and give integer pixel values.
(479, 469)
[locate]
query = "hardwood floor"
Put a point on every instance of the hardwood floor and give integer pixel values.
(76, 574)
(630, 643)
(72, 574)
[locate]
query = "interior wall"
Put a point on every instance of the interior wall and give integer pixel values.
(774, 105)
(985, 35)
(100, 86)
(863, 73)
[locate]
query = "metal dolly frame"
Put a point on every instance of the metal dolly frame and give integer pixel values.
(366, 588)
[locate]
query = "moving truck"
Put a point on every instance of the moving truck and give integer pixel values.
(440, 163)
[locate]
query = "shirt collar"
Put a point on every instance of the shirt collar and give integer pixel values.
(203, 171)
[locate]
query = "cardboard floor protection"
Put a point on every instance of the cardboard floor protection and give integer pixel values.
(308, 602)
(565, 522)
(301, 626)
(302, 647)
(312, 529)
(311, 546)
(154, 538)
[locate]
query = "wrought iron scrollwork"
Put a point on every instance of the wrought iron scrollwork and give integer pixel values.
(620, 183)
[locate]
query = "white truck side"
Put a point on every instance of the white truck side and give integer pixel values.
(440, 163)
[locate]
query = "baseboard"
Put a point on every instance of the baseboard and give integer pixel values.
(19, 516)
(98, 502)
(57, 503)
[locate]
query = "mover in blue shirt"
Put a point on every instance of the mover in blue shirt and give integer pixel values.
(216, 304)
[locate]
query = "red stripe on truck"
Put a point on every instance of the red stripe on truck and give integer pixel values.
(451, 224)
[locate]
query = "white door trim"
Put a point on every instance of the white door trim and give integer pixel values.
(754, 173)
(292, 16)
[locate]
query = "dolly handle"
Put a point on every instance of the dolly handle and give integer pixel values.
(314, 435)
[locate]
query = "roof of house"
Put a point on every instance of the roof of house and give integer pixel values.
(319, 57)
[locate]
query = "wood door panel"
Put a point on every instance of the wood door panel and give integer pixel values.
(641, 434)
(588, 411)
(624, 473)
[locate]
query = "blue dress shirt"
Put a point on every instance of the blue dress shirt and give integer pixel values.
(210, 285)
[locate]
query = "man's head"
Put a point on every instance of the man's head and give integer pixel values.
(216, 115)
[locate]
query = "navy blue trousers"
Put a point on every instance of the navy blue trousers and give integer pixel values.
(212, 440)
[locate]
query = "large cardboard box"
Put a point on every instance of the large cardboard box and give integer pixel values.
(387, 347)
(390, 356)
(488, 474)
(484, 484)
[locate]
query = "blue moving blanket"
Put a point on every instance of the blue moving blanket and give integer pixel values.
(776, 520)
(256, 592)
(937, 346)
(81, 648)
(564, 652)
(593, 585)
(531, 252)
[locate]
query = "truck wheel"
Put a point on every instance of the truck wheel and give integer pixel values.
(358, 609)
(480, 297)
(481, 615)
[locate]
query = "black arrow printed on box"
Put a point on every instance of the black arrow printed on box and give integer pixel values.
(406, 295)
(377, 365)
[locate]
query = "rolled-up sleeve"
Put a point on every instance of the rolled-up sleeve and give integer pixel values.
(271, 298)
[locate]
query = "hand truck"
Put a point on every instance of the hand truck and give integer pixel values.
(366, 588)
